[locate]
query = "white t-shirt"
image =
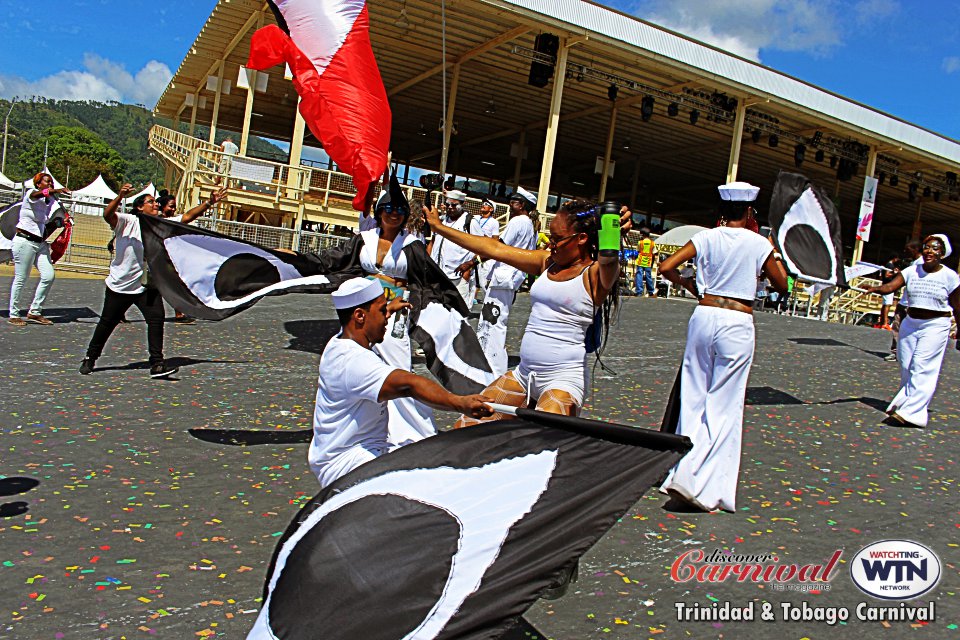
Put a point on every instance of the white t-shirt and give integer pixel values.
(126, 268)
(176, 218)
(729, 261)
(904, 296)
(489, 227)
(930, 290)
(519, 233)
(450, 255)
(230, 147)
(34, 214)
(349, 424)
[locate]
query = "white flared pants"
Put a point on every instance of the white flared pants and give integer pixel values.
(492, 328)
(920, 350)
(716, 365)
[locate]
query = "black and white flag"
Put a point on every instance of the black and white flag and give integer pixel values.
(212, 276)
(457, 535)
(806, 230)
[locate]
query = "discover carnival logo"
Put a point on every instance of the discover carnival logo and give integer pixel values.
(895, 569)
(766, 567)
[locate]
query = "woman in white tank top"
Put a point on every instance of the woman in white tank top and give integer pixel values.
(574, 283)
(719, 352)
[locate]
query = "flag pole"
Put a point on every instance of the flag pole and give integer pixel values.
(503, 408)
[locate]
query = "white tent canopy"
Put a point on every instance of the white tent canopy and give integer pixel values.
(150, 189)
(679, 236)
(7, 183)
(28, 183)
(91, 199)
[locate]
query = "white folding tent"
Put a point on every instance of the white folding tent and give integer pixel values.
(91, 199)
(7, 183)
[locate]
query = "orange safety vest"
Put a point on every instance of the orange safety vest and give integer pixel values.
(645, 251)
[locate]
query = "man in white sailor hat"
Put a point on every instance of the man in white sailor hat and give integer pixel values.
(501, 281)
(454, 260)
(350, 418)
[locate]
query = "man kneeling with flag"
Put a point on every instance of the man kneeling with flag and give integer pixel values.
(350, 418)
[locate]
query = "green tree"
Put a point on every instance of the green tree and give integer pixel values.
(84, 152)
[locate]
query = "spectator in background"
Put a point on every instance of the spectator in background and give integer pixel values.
(646, 253)
(30, 248)
(890, 270)
(229, 149)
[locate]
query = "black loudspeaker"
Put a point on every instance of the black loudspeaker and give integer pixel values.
(540, 73)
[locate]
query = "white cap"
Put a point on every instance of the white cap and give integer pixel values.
(456, 195)
(738, 191)
(488, 201)
(526, 195)
(355, 292)
(947, 249)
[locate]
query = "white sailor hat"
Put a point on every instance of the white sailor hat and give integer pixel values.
(456, 195)
(523, 194)
(738, 191)
(488, 202)
(947, 249)
(355, 292)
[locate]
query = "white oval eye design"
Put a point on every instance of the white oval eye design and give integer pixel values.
(199, 261)
(484, 523)
(807, 212)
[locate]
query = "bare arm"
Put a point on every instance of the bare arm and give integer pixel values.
(528, 261)
(403, 384)
(670, 268)
(36, 195)
(203, 207)
(775, 273)
(608, 273)
(954, 300)
(891, 286)
(110, 212)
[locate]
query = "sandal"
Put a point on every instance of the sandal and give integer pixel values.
(38, 319)
(17, 321)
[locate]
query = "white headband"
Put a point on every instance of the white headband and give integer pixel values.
(947, 249)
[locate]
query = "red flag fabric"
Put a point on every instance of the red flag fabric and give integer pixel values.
(59, 246)
(343, 101)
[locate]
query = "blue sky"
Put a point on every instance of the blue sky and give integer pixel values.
(898, 56)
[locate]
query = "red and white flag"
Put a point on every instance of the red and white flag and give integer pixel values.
(327, 46)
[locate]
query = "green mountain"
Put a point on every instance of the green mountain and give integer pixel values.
(92, 137)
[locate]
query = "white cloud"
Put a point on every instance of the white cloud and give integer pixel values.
(951, 64)
(101, 80)
(745, 27)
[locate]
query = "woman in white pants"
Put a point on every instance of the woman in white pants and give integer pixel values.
(31, 249)
(934, 291)
(719, 352)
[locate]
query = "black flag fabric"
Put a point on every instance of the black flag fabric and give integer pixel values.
(806, 230)
(457, 535)
(212, 276)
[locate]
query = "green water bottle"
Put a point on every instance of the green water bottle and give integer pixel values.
(609, 229)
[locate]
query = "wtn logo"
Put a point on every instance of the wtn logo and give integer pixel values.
(904, 570)
(895, 569)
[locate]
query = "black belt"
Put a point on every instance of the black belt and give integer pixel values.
(28, 236)
(926, 314)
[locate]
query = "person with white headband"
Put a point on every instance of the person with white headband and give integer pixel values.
(934, 292)
(350, 419)
(719, 353)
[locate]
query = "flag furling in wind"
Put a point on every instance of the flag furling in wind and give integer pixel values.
(343, 101)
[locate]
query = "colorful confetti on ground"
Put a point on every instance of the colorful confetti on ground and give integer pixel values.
(138, 529)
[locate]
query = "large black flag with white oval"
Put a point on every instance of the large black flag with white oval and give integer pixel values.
(212, 276)
(806, 230)
(457, 535)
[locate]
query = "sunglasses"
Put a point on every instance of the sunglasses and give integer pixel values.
(556, 242)
(389, 208)
(933, 246)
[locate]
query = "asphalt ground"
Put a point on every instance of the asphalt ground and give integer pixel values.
(138, 529)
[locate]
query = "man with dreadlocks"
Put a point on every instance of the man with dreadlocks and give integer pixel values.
(575, 291)
(720, 338)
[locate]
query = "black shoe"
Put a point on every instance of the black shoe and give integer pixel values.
(86, 367)
(162, 371)
(559, 588)
(185, 320)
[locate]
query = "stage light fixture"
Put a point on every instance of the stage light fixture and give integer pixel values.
(912, 191)
(626, 143)
(673, 109)
(894, 180)
(833, 162)
(819, 155)
(881, 178)
(491, 108)
(927, 192)
(755, 136)
(936, 196)
(817, 137)
(799, 152)
(773, 140)
(612, 91)
(646, 108)
(694, 116)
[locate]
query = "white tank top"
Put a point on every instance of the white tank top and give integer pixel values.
(560, 314)
(394, 263)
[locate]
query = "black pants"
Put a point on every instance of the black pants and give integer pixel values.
(115, 305)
